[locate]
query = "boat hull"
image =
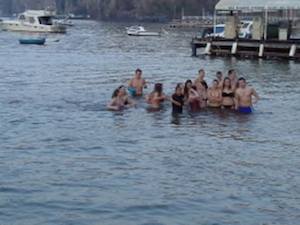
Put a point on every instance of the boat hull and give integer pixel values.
(37, 41)
(143, 34)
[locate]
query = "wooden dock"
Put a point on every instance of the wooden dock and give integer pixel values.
(247, 48)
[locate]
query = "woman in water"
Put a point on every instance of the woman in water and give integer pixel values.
(177, 100)
(227, 94)
(120, 100)
(156, 97)
(214, 95)
(187, 87)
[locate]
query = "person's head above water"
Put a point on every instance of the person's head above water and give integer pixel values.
(215, 84)
(227, 83)
(158, 87)
(232, 74)
(138, 73)
(201, 74)
(120, 91)
(219, 75)
(178, 89)
(242, 82)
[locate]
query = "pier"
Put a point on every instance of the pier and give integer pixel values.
(289, 49)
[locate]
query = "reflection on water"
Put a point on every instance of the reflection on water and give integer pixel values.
(65, 157)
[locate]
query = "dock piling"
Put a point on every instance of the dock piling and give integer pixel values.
(234, 48)
(293, 51)
(207, 48)
(261, 50)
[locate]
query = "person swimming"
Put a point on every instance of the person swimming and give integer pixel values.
(120, 100)
(177, 100)
(227, 94)
(243, 97)
(137, 84)
(214, 95)
(157, 97)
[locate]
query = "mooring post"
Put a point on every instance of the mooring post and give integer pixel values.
(194, 49)
(234, 48)
(261, 50)
(293, 51)
(207, 48)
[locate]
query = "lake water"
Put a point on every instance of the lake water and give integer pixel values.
(65, 159)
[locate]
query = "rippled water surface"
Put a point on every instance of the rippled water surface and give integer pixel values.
(64, 159)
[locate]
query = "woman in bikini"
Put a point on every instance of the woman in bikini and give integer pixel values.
(227, 94)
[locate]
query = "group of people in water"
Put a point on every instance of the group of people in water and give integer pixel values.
(227, 92)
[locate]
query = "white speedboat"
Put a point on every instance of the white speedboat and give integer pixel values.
(33, 21)
(140, 31)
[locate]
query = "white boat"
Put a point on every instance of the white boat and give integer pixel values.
(33, 21)
(65, 22)
(140, 31)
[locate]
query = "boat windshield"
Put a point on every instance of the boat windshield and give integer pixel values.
(220, 29)
(45, 20)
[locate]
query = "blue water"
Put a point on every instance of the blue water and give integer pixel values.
(64, 159)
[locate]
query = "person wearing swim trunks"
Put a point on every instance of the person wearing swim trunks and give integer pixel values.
(243, 97)
(120, 100)
(157, 97)
(177, 100)
(137, 84)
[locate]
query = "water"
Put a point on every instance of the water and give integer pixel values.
(64, 159)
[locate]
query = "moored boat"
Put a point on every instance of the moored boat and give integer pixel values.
(33, 21)
(140, 31)
(32, 41)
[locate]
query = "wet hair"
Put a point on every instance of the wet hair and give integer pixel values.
(178, 86)
(116, 92)
(186, 91)
(219, 73)
(231, 71)
(138, 70)
(227, 78)
(201, 70)
(242, 79)
(158, 88)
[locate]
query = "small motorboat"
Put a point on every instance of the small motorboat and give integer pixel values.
(140, 31)
(32, 41)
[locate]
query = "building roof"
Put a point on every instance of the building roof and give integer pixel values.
(257, 5)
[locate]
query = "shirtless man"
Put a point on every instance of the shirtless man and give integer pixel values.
(137, 84)
(233, 78)
(243, 97)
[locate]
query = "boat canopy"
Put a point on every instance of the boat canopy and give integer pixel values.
(257, 5)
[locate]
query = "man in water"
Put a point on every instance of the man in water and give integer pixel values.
(137, 84)
(243, 97)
